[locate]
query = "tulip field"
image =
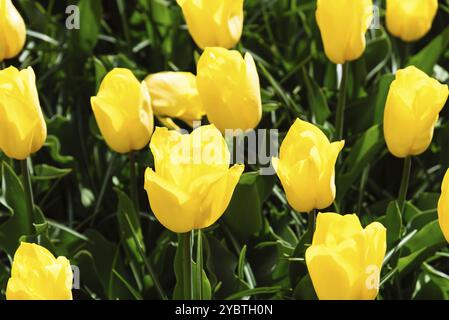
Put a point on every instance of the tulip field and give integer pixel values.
(224, 149)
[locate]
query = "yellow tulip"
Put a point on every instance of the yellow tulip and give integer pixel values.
(443, 206)
(214, 23)
(413, 104)
(12, 30)
(306, 167)
(343, 24)
(344, 260)
(175, 95)
(229, 88)
(123, 112)
(22, 126)
(410, 20)
(37, 275)
(193, 184)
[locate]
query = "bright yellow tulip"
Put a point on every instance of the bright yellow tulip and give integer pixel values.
(343, 24)
(306, 167)
(443, 206)
(193, 184)
(214, 23)
(229, 88)
(12, 30)
(175, 95)
(344, 260)
(37, 275)
(410, 20)
(123, 112)
(413, 104)
(22, 126)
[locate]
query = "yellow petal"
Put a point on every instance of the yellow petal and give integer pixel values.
(37, 275)
(12, 30)
(412, 19)
(22, 125)
(214, 23)
(343, 24)
(123, 111)
(229, 88)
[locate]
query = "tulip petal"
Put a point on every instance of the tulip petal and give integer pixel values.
(169, 203)
(332, 277)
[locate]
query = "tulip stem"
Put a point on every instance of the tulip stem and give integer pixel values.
(199, 264)
(187, 239)
(26, 180)
(404, 183)
(311, 224)
(339, 122)
(133, 182)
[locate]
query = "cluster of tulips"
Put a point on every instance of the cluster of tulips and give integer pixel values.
(192, 181)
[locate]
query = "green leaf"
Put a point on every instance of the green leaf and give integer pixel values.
(244, 213)
(253, 292)
(241, 264)
(182, 289)
(54, 145)
(422, 246)
(364, 151)
(106, 263)
(393, 223)
(429, 56)
(304, 290)
(128, 236)
(317, 100)
(47, 172)
(20, 223)
(91, 12)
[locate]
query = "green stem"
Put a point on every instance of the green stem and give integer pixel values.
(187, 263)
(404, 182)
(133, 180)
(147, 263)
(199, 264)
(26, 180)
(339, 122)
(311, 224)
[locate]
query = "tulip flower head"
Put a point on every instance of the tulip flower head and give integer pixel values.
(214, 23)
(37, 275)
(443, 206)
(344, 260)
(412, 19)
(12, 30)
(229, 88)
(192, 183)
(343, 24)
(175, 95)
(306, 167)
(411, 112)
(22, 126)
(123, 112)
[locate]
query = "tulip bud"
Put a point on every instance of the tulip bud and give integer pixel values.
(306, 167)
(345, 260)
(410, 20)
(175, 95)
(123, 112)
(343, 24)
(229, 88)
(443, 206)
(12, 30)
(193, 184)
(411, 112)
(37, 275)
(22, 126)
(214, 23)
